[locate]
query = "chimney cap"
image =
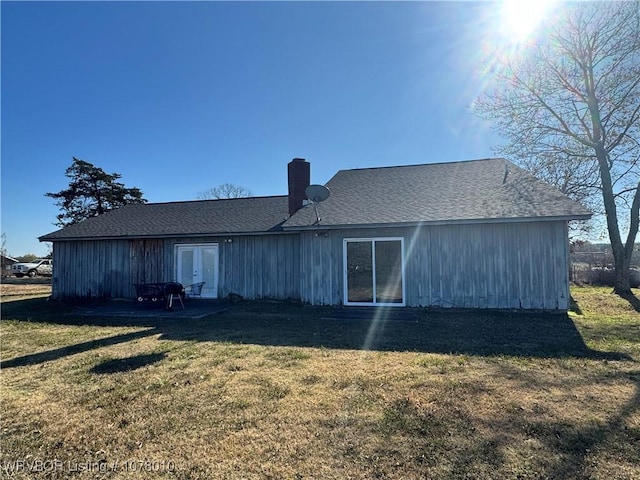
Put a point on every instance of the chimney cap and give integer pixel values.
(297, 159)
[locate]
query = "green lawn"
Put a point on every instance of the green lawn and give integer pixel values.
(271, 390)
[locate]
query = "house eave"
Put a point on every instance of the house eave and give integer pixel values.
(322, 226)
(46, 238)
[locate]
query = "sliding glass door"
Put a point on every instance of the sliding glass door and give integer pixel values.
(374, 271)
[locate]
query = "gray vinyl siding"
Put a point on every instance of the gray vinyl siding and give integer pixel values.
(502, 265)
(256, 267)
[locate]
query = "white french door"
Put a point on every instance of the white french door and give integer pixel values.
(198, 263)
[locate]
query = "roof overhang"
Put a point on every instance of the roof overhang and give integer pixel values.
(321, 226)
(46, 238)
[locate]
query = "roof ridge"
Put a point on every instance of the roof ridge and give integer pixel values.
(214, 200)
(425, 164)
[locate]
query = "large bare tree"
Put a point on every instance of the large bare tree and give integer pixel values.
(569, 105)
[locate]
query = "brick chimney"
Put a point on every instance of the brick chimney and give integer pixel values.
(299, 179)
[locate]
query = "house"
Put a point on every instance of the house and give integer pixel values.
(472, 234)
(5, 264)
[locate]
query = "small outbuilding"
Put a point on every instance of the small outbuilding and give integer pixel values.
(472, 234)
(5, 264)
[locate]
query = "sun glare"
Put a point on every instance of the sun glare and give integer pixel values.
(519, 18)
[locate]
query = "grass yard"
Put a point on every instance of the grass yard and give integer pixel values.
(281, 391)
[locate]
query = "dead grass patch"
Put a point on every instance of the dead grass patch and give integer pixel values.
(24, 289)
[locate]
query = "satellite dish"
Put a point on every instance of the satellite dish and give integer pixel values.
(317, 193)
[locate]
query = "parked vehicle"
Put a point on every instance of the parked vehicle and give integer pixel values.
(40, 266)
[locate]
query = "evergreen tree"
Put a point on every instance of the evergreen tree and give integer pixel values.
(91, 192)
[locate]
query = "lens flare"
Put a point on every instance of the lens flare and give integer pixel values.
(520, 18)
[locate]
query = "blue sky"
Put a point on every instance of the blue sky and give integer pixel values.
(181, 97)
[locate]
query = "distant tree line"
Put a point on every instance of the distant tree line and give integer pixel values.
(594, 264)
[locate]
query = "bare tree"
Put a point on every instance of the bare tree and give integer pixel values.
(569, 106)
(3, 247)
(226, 190)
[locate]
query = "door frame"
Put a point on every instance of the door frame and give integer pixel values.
(198, 258)
(345, 266)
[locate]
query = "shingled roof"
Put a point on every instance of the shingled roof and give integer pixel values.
(472, 191)
(478, 190)
(201, 217)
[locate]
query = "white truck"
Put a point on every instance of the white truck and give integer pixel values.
(39, 266)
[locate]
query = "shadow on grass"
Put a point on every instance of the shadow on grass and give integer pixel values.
(281, 324)
(573, 443)
(576, 444)
(472, 333)
(462, 333)
(633, 301)
(57, 353)
(574, 307)
(128, 364)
